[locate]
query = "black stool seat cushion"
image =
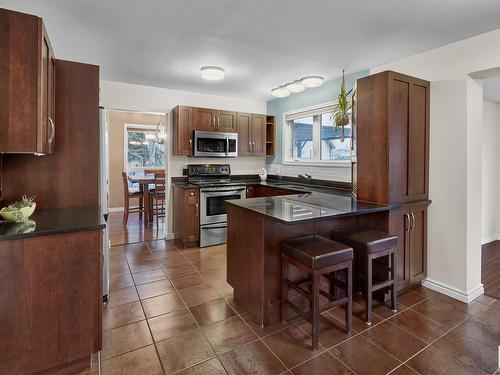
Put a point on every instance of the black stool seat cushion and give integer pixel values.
(368, 240)
(317, 252)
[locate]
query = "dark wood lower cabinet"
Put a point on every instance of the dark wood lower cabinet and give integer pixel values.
(409, 223)
(254, 191)
(51, 302)
(186, 216)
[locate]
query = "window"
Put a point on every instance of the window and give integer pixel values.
(311, 136)
(142, 149)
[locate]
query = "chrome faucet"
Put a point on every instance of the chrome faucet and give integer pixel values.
(305, 176)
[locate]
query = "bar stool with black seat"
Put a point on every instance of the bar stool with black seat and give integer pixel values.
(318, 257)
(369, 246)
(130, 194)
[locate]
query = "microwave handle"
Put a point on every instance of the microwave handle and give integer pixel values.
(227, 145)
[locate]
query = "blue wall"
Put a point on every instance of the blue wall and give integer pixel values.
(328, 92)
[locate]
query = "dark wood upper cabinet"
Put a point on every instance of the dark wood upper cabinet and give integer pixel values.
(182, 130)
(27, 84)
(204, 119)
(244, 121)
(251, 134)
(226, 121)
(251, 129)
(392, 138)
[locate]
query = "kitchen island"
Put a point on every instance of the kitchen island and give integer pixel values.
(256, 228)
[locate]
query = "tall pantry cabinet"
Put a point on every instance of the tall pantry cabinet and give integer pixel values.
(392, 166)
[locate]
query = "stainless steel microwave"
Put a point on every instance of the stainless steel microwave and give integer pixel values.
(215, 144)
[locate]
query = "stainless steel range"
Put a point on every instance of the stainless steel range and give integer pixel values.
(216, 188)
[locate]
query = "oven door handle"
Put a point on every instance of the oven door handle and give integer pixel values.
(212, 192)
(218, 227)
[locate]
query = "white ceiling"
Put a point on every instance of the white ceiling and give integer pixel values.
(260, 43)
(491, 89)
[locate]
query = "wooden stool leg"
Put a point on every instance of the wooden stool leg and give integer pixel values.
(394, 303)
(369, 281)
(348, 313)
(315, 309)
(125, 211)
(284, 286)
(141, 207)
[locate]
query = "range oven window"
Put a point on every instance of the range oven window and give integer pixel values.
(217, 205)
(211, 144)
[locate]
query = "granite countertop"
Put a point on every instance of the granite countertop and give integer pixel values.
(290, 209)
(282, 184)
(54, 221)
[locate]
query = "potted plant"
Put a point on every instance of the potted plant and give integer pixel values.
(19, 211)
(342, 110)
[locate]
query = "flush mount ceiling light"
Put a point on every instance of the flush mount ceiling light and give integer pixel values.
(312, 81)
(212, 73)
(280, 92)
(295, 87)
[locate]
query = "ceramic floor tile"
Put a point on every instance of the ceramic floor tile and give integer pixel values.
(394, 340)
(188, 281)
(142, 361)
(472, 343)
(122, 296)
(418, 325)
(292, 346)
(162, 304)
(324, 364)
(214, 274)
(212, 312)
(144, 266)
(124, 339)
(172, 324)
(121, 315)
(211, 367)
(198, 294)
(120, 281)
(184, 351)
(364, 357)
(148, 276)
(155, 288)
(358, 317)
(178, 270)
(254, 358)
(433, 361)
(228, 334)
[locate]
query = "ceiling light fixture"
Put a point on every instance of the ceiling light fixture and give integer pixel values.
(312, 81)
(280, 92)
(212, 73)
(295, 87)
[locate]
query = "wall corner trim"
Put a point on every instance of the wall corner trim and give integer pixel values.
(453, 292)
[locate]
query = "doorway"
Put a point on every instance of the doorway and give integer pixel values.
(137, 147)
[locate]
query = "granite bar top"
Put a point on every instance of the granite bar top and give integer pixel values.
(291, 209)
(54, 221)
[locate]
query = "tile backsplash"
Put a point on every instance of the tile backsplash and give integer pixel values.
(331, 173)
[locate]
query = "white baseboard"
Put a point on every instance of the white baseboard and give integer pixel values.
(453, 292)
(116, 209)
(169, 236)
(494, 237)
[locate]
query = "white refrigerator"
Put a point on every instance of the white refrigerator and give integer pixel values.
(104, 198)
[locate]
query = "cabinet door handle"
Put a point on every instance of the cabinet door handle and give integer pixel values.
(52, 131)
(190, 144)
(218, 122)
(407, 222)
(196, 205)
(412, 221)
(213, 121)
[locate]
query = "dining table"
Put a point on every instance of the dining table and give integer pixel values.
(144, 180)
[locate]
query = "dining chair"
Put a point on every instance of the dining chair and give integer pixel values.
(129, 194)
(158, 197)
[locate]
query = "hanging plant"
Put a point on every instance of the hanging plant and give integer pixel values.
(342, 110)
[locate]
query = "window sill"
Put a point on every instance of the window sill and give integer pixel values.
(318, 163)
